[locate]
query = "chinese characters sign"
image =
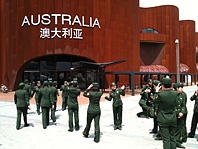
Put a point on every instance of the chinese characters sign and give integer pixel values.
(71, 33)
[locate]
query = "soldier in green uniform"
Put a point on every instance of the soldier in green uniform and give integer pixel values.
(46, 103)
(166, 113)
(93, 111)
(195, 115)
(53, 98)
(115, 94)
(154, 115)
(154, 108)
(22, 104)
(27, 87)
(73, 107)
(50, 83)
(181, 132)
(145, 95)
(36, 92)
(64, 89)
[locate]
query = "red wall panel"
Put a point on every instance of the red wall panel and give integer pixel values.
(164, 19)
(117, 38)
(187, 45)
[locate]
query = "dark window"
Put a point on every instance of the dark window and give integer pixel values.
(33, 65)
(47, 65)
(149, 30)
(63, 66)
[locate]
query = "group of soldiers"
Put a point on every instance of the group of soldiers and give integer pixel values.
(159, 100)
(167, 106)
(46, 99)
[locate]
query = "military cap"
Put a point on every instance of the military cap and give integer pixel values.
(166, 81)
(50, 83)
(177, 85)
(113, 84)
(75, 83)
(21, 85)
(26, 81)
(149, 80)
(38, 82)
(95, 85)
(45, 83)
(71, 83)
(55, 83)
(156, 82)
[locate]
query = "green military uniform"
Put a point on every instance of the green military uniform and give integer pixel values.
(22, 102)
(27, 88)
(195, 115)
(166, 113)
(181, 132)
(36, 92)
(50, 83)
(153, 109)
(117, 106)
(145, 102)
(64, 88)
(73, 108)
(53, 98)
(46, 103)
(93, 111)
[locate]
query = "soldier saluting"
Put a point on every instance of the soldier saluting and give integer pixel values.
(145, 97)
(73, 107)
(166, 113)
(194, 121)
(115, 94)
(93, 111)
(36, 92)
(64, 88)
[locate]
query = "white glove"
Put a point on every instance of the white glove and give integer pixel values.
(123, 87)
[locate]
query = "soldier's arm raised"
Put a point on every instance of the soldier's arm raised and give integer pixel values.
(86, 93)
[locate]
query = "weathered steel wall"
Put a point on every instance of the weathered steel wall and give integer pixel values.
(117, 37)
(164, 19)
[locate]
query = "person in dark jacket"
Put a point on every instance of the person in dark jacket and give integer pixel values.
(46, 103)
(21, 100)
(93, 111)
(195, 115)
(73, 108)
(115, 94)
(166, 112)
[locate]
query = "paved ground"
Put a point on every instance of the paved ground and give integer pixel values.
(135, 132)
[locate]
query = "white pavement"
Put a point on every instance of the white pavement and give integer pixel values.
(134, 135)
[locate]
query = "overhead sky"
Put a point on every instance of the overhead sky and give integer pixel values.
(188, 9)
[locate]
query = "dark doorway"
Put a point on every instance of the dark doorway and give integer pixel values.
(56, 67)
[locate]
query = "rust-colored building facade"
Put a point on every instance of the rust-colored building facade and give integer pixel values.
(165, 20)
(45, 39)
